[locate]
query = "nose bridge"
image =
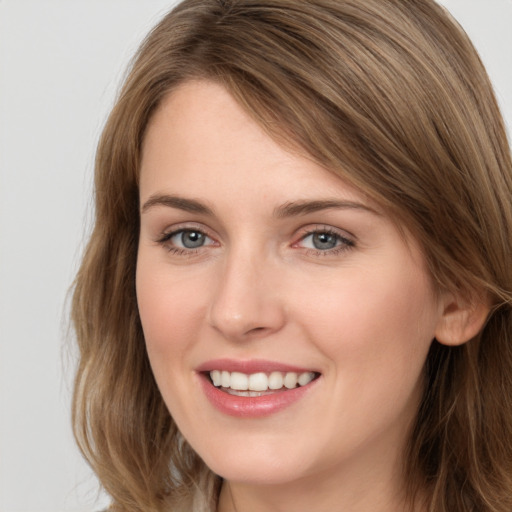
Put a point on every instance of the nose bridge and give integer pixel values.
(246, 301)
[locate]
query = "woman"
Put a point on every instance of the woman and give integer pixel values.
(297, 294)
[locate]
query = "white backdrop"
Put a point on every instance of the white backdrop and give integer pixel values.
(61, 62)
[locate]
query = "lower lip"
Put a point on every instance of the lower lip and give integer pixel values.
(252, 406)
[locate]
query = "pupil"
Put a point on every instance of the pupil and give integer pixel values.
(324, 241)
(192, 239)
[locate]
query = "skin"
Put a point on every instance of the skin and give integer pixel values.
(362, 314)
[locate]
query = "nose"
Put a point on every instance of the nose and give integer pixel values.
(247, 301)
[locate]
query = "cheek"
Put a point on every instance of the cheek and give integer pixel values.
(170, 310)
(375, 327)
(375, 331)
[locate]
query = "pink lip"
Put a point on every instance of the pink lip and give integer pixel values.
(249, 366)
(250, 407)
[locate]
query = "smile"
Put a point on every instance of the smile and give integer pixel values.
(260, 383)
(254, 388)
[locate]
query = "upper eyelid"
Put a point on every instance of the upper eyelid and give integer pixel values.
(344, 240)
(166, 236)
(325, 228)
(185, 226)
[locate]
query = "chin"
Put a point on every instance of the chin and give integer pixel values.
(258, 464)
(267, 474)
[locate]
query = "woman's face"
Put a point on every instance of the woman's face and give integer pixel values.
(257, 267)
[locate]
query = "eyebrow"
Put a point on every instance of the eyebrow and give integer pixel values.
(297, 208)
(290, 209)
(181, 203)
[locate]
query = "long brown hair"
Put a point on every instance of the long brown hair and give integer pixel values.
(391, 96)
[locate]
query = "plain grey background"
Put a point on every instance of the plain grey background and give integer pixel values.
(61, 62)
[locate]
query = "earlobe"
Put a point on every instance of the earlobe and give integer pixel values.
(461, 320)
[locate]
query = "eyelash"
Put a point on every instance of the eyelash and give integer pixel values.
(181, 251)
(345, 244)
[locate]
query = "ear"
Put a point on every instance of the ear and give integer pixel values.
(462, 318)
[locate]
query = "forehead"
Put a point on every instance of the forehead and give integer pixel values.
(200, 138)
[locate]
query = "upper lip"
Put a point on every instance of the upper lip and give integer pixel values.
(249, 366)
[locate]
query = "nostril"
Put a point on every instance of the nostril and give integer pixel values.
(256, 332)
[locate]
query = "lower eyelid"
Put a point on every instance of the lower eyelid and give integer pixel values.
(329, 252)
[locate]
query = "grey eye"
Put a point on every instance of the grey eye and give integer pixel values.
(189, 239)
(324, 241)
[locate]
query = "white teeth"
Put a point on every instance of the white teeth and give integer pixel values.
(239, 381)
(275, 380)
(260, 381)
(216, 377)
(290, 380)
(305, 378)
